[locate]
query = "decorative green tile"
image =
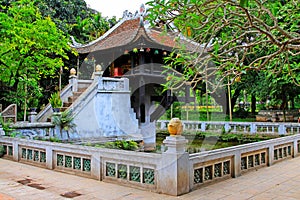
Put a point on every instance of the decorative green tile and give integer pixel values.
(135, 173)
(250, 161)
(149, 176)
(60, 160)
(10, 150)
(86, 165)
(42, 156)
(29, 154)
(284, 151)
(256, 160)
(226, 167)
(289, 150)
(243, 163)
(263, 158)
(36, 155)
(23, 153)
(198, 175)
(275, 154)
(68, 161)
(218, 170)
(110, 169)
(5, 149)
(280, 152)
(77, 163)
(122, 171)
(208, 173)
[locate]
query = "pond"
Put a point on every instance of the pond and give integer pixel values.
(198, 142)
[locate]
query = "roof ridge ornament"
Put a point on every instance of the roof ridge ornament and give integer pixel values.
(138, 14)
(74, 43)
(142, 13)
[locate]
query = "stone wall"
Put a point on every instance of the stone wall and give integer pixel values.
(172, 172)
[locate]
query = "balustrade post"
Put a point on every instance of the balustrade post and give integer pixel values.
(50, 161)
(226, 127)
(15, 149)
(1, 130)
(281, 129)
(295, 148)
(173, 173)
(73, 80)
(237, 164)
(96, 166)
(271, 155)
(203, 126)
(253, 128)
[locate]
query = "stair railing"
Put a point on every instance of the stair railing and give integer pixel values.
(10, 113)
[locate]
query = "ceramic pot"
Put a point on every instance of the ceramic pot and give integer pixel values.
(175, 126)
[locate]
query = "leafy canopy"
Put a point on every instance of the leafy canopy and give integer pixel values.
(32, 48)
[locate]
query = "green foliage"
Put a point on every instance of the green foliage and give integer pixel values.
(32, 49)
(54, 139)
(65, 121)
(122, 144)
(242, 38)
(6, 126)
(55, 100)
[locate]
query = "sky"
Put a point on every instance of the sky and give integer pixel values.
(110, 8)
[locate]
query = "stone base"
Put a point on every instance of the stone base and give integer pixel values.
(175, 144)
(32, 117)
(149, 146)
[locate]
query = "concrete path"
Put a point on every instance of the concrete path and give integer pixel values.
(19, 181)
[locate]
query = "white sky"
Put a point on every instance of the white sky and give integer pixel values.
(110, 8)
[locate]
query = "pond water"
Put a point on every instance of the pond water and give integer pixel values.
(196, 144)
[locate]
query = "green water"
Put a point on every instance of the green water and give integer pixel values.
(196, 144)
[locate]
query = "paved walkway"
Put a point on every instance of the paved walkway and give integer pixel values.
(19, 181)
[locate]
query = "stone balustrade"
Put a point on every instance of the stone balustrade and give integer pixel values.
(172, 172)
(236, 127)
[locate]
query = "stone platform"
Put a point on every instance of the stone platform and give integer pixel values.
(278, 182)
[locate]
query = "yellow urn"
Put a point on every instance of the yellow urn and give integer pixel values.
(175, 126)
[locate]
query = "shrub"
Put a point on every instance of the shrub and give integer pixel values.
(122, 144)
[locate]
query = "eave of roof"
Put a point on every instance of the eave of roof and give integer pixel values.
(129, 30)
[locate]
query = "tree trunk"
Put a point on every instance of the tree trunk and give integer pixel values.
(253, 104)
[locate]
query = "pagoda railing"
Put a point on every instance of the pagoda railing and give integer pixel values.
(236, 127)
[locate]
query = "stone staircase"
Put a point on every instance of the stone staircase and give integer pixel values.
(72, 99)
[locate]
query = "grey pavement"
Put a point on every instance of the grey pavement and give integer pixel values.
(21, 181)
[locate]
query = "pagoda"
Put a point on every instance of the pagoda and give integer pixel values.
(135, 51)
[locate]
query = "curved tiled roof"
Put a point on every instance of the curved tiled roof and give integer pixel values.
(128, 31)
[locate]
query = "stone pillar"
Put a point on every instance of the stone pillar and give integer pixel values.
(98, 73)
(174, 176)
(295, 149)
(237, 164)
(270, 155)
(32, 116)
(1, 130)
(73, 80)
(49, 158)
(16, 152)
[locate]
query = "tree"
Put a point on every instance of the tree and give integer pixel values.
(32, 48)
(236, 37)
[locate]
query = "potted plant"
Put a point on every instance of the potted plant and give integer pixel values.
(33, 104)
(55, 101)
